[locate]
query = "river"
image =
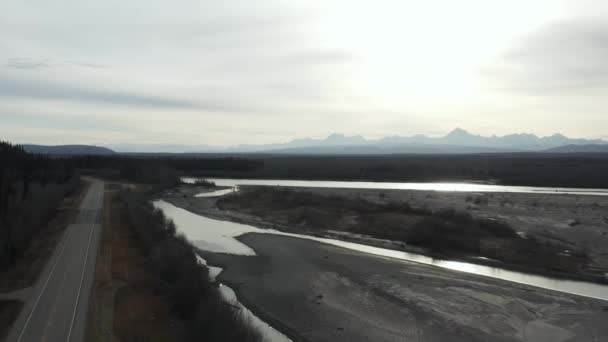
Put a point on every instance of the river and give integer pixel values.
(219, 236)
(431, 186)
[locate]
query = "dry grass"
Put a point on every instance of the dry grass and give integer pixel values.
(29, 265)
(142, 316)
(443, 233)
(123, 286)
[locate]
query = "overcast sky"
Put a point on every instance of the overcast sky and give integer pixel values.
(229, 72)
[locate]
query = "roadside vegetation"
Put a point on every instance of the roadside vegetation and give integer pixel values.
(9, 309)
(177, 275)
(32, 188)
(447, 232)
(204, 183)
(124, 305)
(37, 198)
(165, 290)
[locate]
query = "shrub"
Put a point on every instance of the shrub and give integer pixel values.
(172, 261)
(204, 182)
(446, 231)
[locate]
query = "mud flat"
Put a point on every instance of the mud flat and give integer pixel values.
(317, 292)
(577, 223)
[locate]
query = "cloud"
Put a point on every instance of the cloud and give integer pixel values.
(22, 63)
(27, 64)
(567, 56)
(45, 90)
(82, 122)
(257, 59)
(233, 71)
(89, 65)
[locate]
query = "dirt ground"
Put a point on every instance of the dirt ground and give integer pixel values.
(317, 292)
(580, 222)
(123, 304)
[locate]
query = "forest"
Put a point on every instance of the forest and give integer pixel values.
(531, 169)
(31, 189)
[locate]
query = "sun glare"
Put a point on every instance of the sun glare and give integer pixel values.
(416, 52)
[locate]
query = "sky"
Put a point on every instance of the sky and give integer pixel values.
(200, 72)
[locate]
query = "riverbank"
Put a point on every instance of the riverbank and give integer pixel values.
(513, 208)
(149, 285)
(124, 305)
(318, 292)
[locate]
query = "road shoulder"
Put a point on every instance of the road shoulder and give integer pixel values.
(123, 305)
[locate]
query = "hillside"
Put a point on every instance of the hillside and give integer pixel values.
(68, 150)
(579, 149)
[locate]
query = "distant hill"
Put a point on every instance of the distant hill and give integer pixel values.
(389, 149)
(592, 148)
(456, 141)
(68, 150)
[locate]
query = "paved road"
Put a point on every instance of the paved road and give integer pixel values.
(57, 307)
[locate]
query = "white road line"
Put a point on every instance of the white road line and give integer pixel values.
(84, 268)
(29, 317)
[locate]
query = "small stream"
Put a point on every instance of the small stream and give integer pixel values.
(217, 193)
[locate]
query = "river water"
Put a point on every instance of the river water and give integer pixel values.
(219, 236)
(268, 333)
(432, 186)
(217, 193)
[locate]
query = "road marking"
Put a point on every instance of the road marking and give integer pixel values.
(54, 305)
(84, 268)
(29, 317)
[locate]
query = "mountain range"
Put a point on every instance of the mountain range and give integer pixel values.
(457, 141)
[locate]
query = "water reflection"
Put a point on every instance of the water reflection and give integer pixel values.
(452, 187)
(207, 234)
(269, 333)
(219, 236)
(218, 193)
(229, 296)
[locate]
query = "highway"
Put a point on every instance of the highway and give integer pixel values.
(57, 307)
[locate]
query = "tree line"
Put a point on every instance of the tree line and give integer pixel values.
(31, 189)
(178, 275)
(32, 186)
(531, 169)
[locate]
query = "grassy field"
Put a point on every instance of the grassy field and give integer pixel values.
(445, 232)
